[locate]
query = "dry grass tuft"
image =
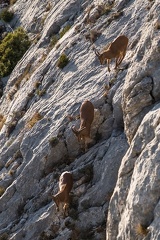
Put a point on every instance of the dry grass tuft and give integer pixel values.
(2, 121)
(35, 118)
(141, 230)
(93, 35)
(48, 7)
(62, 61)
(115, 16)
(12, 2)
(37, 84)
(2, 190)
(53, 41)
(107, 8)
(64, 30)
(41, 92)
(11, 172)
(106, 88)
(157, 25)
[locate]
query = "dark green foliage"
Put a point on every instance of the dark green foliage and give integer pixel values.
(54, 40)
(53, 141)
(62, 61)
(6, 15)
(12, 48)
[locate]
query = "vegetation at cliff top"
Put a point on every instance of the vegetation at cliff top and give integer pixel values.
(12, 48)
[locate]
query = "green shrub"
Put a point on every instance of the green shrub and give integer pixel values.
(6, 15)
(62, 61)
(53, 41)
(12, 48)
(53, 141)
(65, 29)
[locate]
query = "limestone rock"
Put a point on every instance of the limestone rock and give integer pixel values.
(116, 182)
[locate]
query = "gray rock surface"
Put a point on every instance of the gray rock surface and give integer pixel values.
(116, 182)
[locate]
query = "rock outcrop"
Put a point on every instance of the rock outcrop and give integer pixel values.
(116, 182)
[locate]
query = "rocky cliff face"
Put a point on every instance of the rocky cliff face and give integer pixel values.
(116, 182)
